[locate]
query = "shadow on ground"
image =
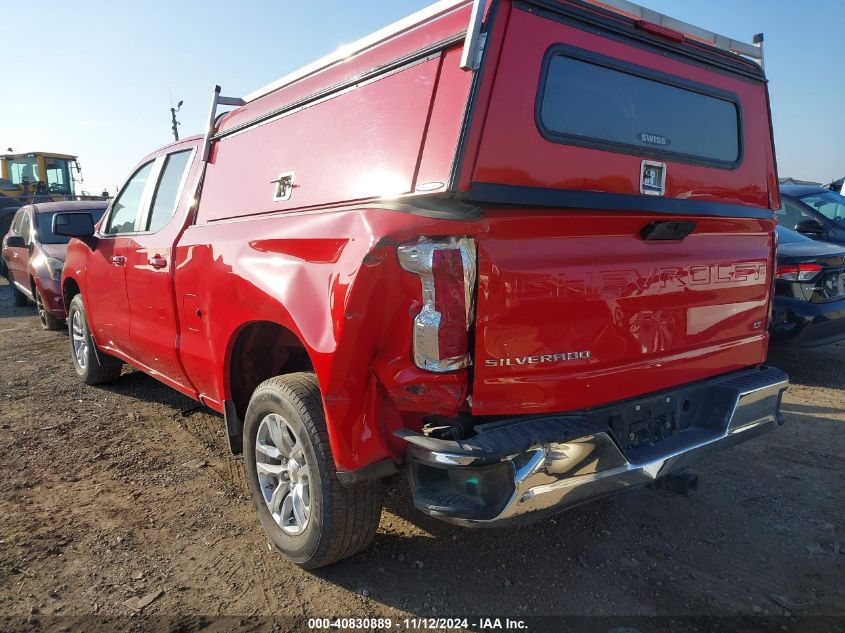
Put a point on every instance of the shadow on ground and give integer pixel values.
(813, 367)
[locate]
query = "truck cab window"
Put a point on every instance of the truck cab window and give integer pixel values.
(23, 170)
(58, 175)
(168, 190)
(124, 210)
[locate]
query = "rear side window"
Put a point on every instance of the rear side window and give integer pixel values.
(789, 214)
(167, 192)
(829, 203)
(590, 100)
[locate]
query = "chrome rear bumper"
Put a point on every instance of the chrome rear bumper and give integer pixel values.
(524, 468)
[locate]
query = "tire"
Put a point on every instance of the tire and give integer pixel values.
(48, 321)
(92, 366)
(20, 299)
(340, 520)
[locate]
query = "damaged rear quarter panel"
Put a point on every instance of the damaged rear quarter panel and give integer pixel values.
(332, 278)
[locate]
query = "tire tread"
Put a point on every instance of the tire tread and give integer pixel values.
(51, 322)
(357, 508)
(102, 368)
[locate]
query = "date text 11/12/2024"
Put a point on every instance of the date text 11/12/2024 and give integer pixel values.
(490, 624)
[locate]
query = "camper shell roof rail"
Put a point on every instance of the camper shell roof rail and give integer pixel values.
(353, 48)
(638, 12)
(624, 7)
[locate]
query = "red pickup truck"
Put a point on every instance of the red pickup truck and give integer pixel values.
(521, 250)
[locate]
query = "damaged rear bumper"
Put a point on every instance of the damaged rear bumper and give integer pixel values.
(526, 467)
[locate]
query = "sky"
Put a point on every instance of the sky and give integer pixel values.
(94, 78)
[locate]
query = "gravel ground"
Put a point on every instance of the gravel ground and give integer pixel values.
(120, 508)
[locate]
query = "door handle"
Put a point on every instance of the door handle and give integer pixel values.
(158, 261)
(658, 231)
(118, 260)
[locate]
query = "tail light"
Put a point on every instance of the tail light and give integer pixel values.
(446, 268)
(797, 272)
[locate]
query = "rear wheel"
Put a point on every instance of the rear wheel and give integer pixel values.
(92, 366)
(48, 321)
(309, 516)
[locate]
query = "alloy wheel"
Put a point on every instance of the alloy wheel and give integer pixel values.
(79, 340)
(42, 313)
(283, 473)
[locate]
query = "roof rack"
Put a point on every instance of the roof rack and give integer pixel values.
(216, 100)
(753, 50)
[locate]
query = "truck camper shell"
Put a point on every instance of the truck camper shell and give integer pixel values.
(449, 102)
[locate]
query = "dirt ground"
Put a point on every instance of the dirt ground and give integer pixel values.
(121, 506)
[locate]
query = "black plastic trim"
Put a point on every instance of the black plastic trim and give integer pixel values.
(597, 59)
(234, 427)
(509, 437)
(667, 230)
(440, 207)
(378, 470)
(483, 192)
(437, 207)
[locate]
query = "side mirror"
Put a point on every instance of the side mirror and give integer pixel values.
(811, 228)
(15, 241)
(73, 225)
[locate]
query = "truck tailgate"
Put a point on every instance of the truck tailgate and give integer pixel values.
(577, 309)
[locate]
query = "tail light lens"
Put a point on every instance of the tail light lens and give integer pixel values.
(446, 268)
(798, 272)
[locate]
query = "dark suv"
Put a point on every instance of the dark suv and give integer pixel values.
(33, 257)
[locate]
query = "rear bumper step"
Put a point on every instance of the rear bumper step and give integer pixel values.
(524, 468)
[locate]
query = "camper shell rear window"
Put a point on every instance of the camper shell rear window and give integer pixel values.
(590, 100)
